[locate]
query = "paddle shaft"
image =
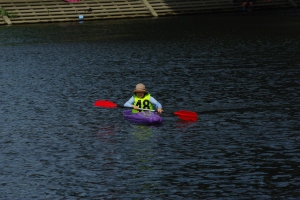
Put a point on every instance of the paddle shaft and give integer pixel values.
(182, 114)
(138, 109)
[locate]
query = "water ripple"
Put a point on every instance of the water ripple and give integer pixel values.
(240, 75)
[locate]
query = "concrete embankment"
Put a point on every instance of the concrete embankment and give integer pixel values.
(34, 11)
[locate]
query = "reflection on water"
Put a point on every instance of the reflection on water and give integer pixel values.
(142, 132)
(180, 124)
(240, 72)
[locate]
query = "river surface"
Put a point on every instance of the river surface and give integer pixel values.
(240, 72)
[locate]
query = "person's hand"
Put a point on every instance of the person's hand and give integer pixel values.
(135, 107)
(159, 110)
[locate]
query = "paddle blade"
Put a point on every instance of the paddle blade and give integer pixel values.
(186, 115)
(105, 104)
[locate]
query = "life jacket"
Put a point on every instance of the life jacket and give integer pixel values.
(142, 103)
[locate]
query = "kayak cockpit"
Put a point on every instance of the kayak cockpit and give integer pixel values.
(144, 117)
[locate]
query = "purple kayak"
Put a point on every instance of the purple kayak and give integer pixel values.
(144, 117)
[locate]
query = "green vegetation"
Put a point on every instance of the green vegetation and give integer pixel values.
(4, 12)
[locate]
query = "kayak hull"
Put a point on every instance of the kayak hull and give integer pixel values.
(144, 117)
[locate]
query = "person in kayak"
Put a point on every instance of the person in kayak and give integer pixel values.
(247, 4)
(142, 99)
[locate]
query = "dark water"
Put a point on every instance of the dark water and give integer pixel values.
(241, 71)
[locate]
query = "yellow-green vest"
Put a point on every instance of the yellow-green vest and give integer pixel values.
(142, 102)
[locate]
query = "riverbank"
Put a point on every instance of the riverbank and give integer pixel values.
(34, 11)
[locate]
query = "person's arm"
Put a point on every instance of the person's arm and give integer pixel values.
(130, 102)
(156, 104)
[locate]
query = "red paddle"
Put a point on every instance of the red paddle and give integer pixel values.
(182, 114)
(105, 104)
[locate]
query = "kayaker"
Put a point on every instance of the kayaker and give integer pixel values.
(247, 4)
(142, 99)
